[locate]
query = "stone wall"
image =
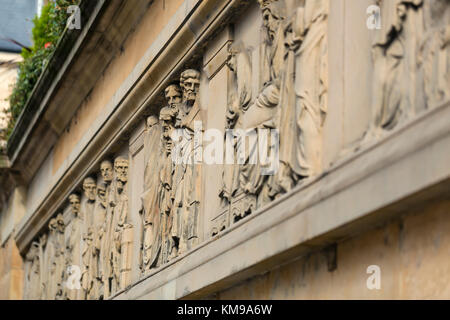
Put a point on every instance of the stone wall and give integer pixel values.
(411, 251)
(135, 199)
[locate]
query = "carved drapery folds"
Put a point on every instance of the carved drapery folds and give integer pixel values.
(289, 98)
(89, 257)
(434, 52)
(292, 104)
(276, 99)
(171, 201)
(411, 57)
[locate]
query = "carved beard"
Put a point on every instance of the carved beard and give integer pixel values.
(75, 210)
(190, 96)
(107, 177)
(175, 102)
(168, 146)
(103, 201)
(90, 196)
(121, 181)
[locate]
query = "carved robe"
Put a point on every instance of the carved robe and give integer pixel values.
(150, 198)
(262, 114)
(303, 104)
(120, 213)
(87, 278)
(395, 55)
(59, 264)
(238, 103)
(107, 240)
(99, 221)
(187, 179)
(32, 273)
(89, 267)
(51, 261)
(434, 56)
(73, 250)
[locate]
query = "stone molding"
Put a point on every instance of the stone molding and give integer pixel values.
(329, 208)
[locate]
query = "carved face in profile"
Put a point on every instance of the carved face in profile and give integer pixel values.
(53, 224)
(89, 187)
(74, 201)
(167, 127)
(190, 83)
(101, 192)
(121, 169)
(173, 95)
(60, 223)
(33, 255)
(106, 169)
(151, 121)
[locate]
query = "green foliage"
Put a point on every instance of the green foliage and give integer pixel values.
(47, 30)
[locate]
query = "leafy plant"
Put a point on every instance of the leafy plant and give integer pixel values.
(46, 32)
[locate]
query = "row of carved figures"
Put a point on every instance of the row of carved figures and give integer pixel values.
(99, 236)
(292, 97)
(91, 256)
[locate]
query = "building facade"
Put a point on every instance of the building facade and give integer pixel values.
(15, 32)
(271, 149)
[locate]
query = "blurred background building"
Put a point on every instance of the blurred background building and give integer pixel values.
(15, 32)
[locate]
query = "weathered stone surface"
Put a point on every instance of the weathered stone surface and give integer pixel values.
(137, 199)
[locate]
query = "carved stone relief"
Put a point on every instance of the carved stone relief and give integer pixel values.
(89, 234)
(119, 225)
(33, 273)
(54, 257)
(73, 243)
(290, 99)
(434, 54)
(171, 218)
(292, 103)
(411, 56)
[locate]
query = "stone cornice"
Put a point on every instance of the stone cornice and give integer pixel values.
(32, 126)
(370, 186)
(193, 25)
(79, 60)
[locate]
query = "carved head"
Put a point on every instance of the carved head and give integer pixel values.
(89, 187)
(166, 117)
(190, 83)
(33, 252)
(273, 12)
(121, 169)
(151, 121)
(33, 256)
(173, 94)
(106, 169)
(60, 223)
(53, 225)
(101, 192)
(74, 201)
